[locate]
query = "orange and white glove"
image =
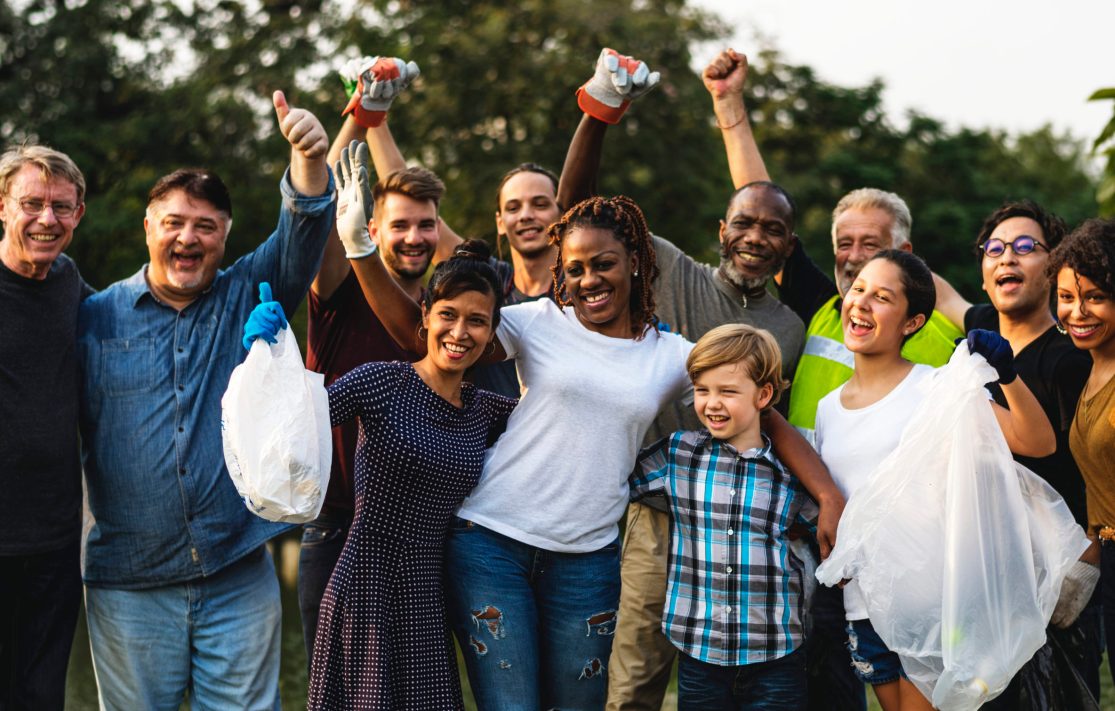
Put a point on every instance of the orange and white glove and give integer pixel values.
(378, 81)
(616, 81)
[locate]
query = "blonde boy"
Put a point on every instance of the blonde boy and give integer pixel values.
(734, 591)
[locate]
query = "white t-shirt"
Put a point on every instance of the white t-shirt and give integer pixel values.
(853, 442)
(557, 478)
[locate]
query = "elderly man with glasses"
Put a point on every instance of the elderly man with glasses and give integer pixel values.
(41, 202)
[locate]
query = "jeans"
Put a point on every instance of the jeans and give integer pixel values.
(323, 539)
(777, 685)
(218, 637)
(536, 626)
(40, 595)
(833, 685)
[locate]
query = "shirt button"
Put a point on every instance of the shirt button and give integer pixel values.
(728, 610)
(181, 350)
(182, 471)
(729, 567)
(181, 429)
(731, 531)
(732, 492)
(181, 387)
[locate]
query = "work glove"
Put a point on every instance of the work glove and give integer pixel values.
(1076, 591)
(378, 82)
(617, 80)
(996, 350)
(354, 201)
(266, 319)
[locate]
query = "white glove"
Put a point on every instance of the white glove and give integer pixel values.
(378, 82)
(1076, 591)
(354, 201)
(616, 81)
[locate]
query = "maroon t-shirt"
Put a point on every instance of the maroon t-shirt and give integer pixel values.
(344, 333)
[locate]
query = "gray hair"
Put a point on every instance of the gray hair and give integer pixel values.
(890, 203)
(51, 163)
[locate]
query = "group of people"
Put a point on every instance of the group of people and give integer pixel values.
(493, 424)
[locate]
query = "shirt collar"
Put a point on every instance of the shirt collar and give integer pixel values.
(766, 452)
(136, 287)
(736, 294)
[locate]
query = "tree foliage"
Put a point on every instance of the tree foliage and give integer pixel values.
(135, 88)
(1105, 145)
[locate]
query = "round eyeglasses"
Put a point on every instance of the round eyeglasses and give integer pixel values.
(1022, 244)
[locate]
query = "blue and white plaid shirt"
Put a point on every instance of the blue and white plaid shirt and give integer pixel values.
(735, 590)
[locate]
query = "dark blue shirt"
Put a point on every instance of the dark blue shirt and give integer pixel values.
(164, 508)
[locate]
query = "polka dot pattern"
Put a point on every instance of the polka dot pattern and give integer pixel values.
(382, 640)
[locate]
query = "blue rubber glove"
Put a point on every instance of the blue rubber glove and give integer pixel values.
(996, 350)
(266, 320)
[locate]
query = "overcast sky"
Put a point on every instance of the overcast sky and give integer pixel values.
(1013, 65)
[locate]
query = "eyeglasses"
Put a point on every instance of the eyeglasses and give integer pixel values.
(1022, 244)
(34, 208)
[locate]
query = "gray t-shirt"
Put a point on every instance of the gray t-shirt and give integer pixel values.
(692, 299)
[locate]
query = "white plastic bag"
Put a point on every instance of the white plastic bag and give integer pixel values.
(275, 428)
(959, 551)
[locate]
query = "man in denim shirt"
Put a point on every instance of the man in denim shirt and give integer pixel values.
(180, 590)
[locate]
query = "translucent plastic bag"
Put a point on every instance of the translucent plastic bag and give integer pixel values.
(959, 551)
(275, 428)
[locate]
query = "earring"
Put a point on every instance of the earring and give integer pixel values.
(636, 273)
(422, 332)
(491, 347)
(1060, 327)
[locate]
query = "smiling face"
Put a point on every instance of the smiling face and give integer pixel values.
(756, 238)
(527, 206)
(598, 271)
(858, 233)
(406, 230)
(874, 312)
(1087, 312)
(728, 403)
(32, 242)
(186, 242)
(1017, 284)
(459, 329)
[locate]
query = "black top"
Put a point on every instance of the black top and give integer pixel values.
(804, 288)
(40, 471)
(1055, 371)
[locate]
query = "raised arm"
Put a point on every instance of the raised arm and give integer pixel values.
(334, 265)
(724, 78)
(604, 98)
(1023, 422)
(802, 460)
(309, 172)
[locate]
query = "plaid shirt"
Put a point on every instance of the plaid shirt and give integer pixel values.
(735, 591)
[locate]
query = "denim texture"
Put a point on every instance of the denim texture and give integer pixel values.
(775, 685)
(535, 626)
(873, 661)
(217, 637)
(164, 509)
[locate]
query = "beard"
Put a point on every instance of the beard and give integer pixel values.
(741, 281)
(392, 262)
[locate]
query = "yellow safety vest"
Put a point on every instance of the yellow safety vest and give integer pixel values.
(826, 363)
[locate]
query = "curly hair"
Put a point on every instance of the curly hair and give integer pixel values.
(625, 220)
(1052, 227)
(1090, 252)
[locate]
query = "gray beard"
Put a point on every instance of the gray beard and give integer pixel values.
(734, 277)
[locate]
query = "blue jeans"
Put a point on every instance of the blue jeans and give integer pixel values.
(40, 594)
(777, 685)
(216, 636)
(323, 539)
(536, 626)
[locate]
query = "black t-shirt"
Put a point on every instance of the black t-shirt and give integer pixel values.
(1055, 371)
(805, 288)
(40, 468)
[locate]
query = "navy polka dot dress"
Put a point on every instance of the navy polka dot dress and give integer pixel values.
(382, 640)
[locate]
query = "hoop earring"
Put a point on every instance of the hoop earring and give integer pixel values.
(491, 347)
(422, 333)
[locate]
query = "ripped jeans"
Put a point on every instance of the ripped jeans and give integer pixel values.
(535, 626)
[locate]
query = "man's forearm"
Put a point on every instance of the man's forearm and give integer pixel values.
(744, 160)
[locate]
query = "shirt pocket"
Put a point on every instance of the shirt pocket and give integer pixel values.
(128, 365)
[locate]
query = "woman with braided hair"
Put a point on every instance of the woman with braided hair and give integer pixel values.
(532, 563)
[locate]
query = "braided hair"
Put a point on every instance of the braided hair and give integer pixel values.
(625, 220)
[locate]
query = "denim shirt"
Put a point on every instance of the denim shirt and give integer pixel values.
(163, 506)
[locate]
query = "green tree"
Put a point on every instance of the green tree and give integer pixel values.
(1105, 145)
